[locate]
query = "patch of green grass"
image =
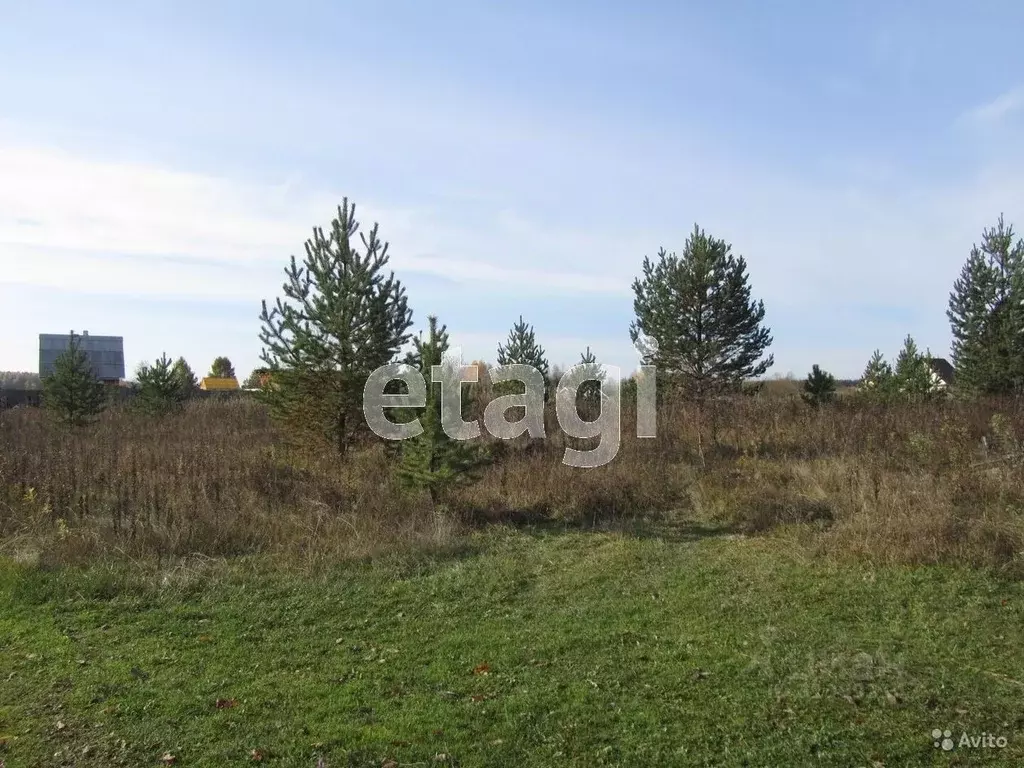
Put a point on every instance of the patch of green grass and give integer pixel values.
(545, 649)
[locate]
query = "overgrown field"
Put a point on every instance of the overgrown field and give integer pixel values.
(762, 584)
(903, 484)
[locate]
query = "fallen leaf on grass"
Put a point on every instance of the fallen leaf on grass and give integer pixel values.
(256, 756)
(478, 697)
(168, 759)
(227, 703)
(482, 669)
(205, 638)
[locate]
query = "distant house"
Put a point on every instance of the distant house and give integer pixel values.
(218, 384)
(104, 353)
(16, 398)
(942, 371)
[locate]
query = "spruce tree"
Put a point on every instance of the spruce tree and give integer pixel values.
(696, 321)
(159, 389)
(222, 369)
(340, 319)
(72, 393)
(432, 460)
(987, 317)
(521, 348)
(186, 379)
(819, 388)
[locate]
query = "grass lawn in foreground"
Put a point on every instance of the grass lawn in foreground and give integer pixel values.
(528, 649)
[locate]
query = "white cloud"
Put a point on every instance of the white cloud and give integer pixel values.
(997, 110)
(82, 223)
(98, 226)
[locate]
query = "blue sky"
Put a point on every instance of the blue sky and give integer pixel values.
(160, 162)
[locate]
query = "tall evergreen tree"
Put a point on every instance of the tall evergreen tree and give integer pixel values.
(72, 393)
(432, 460)
(521, 348)
(185, 377)
(341, 318)
(159, 389)
(696, 321)
(222, 368)
(987, 317)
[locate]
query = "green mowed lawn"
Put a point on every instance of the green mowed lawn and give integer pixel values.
(525, 649)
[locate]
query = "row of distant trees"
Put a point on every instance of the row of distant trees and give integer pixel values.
(986, 316)
(20, 380)
(75, 397)
(343, 314)
(28, 380)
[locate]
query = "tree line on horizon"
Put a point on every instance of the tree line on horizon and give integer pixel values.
(342, 315)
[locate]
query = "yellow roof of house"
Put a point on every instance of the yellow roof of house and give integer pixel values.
(213, 382)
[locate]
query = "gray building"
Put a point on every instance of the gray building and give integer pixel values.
(105, 353)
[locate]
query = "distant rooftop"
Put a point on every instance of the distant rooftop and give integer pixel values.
(211, 383)
(105, 353)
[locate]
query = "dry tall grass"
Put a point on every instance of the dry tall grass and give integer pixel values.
(909, 484)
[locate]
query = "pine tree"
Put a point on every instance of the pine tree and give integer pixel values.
(819, 388)
(913, 373)
(877, 379)
(522, 348)
(222, 369)
(432, 460)
(695, 320)
(255, 379)
(987, 317)
(72, 393)
(341, 318)
(186, 379)
(588, 377)
(159, 390)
